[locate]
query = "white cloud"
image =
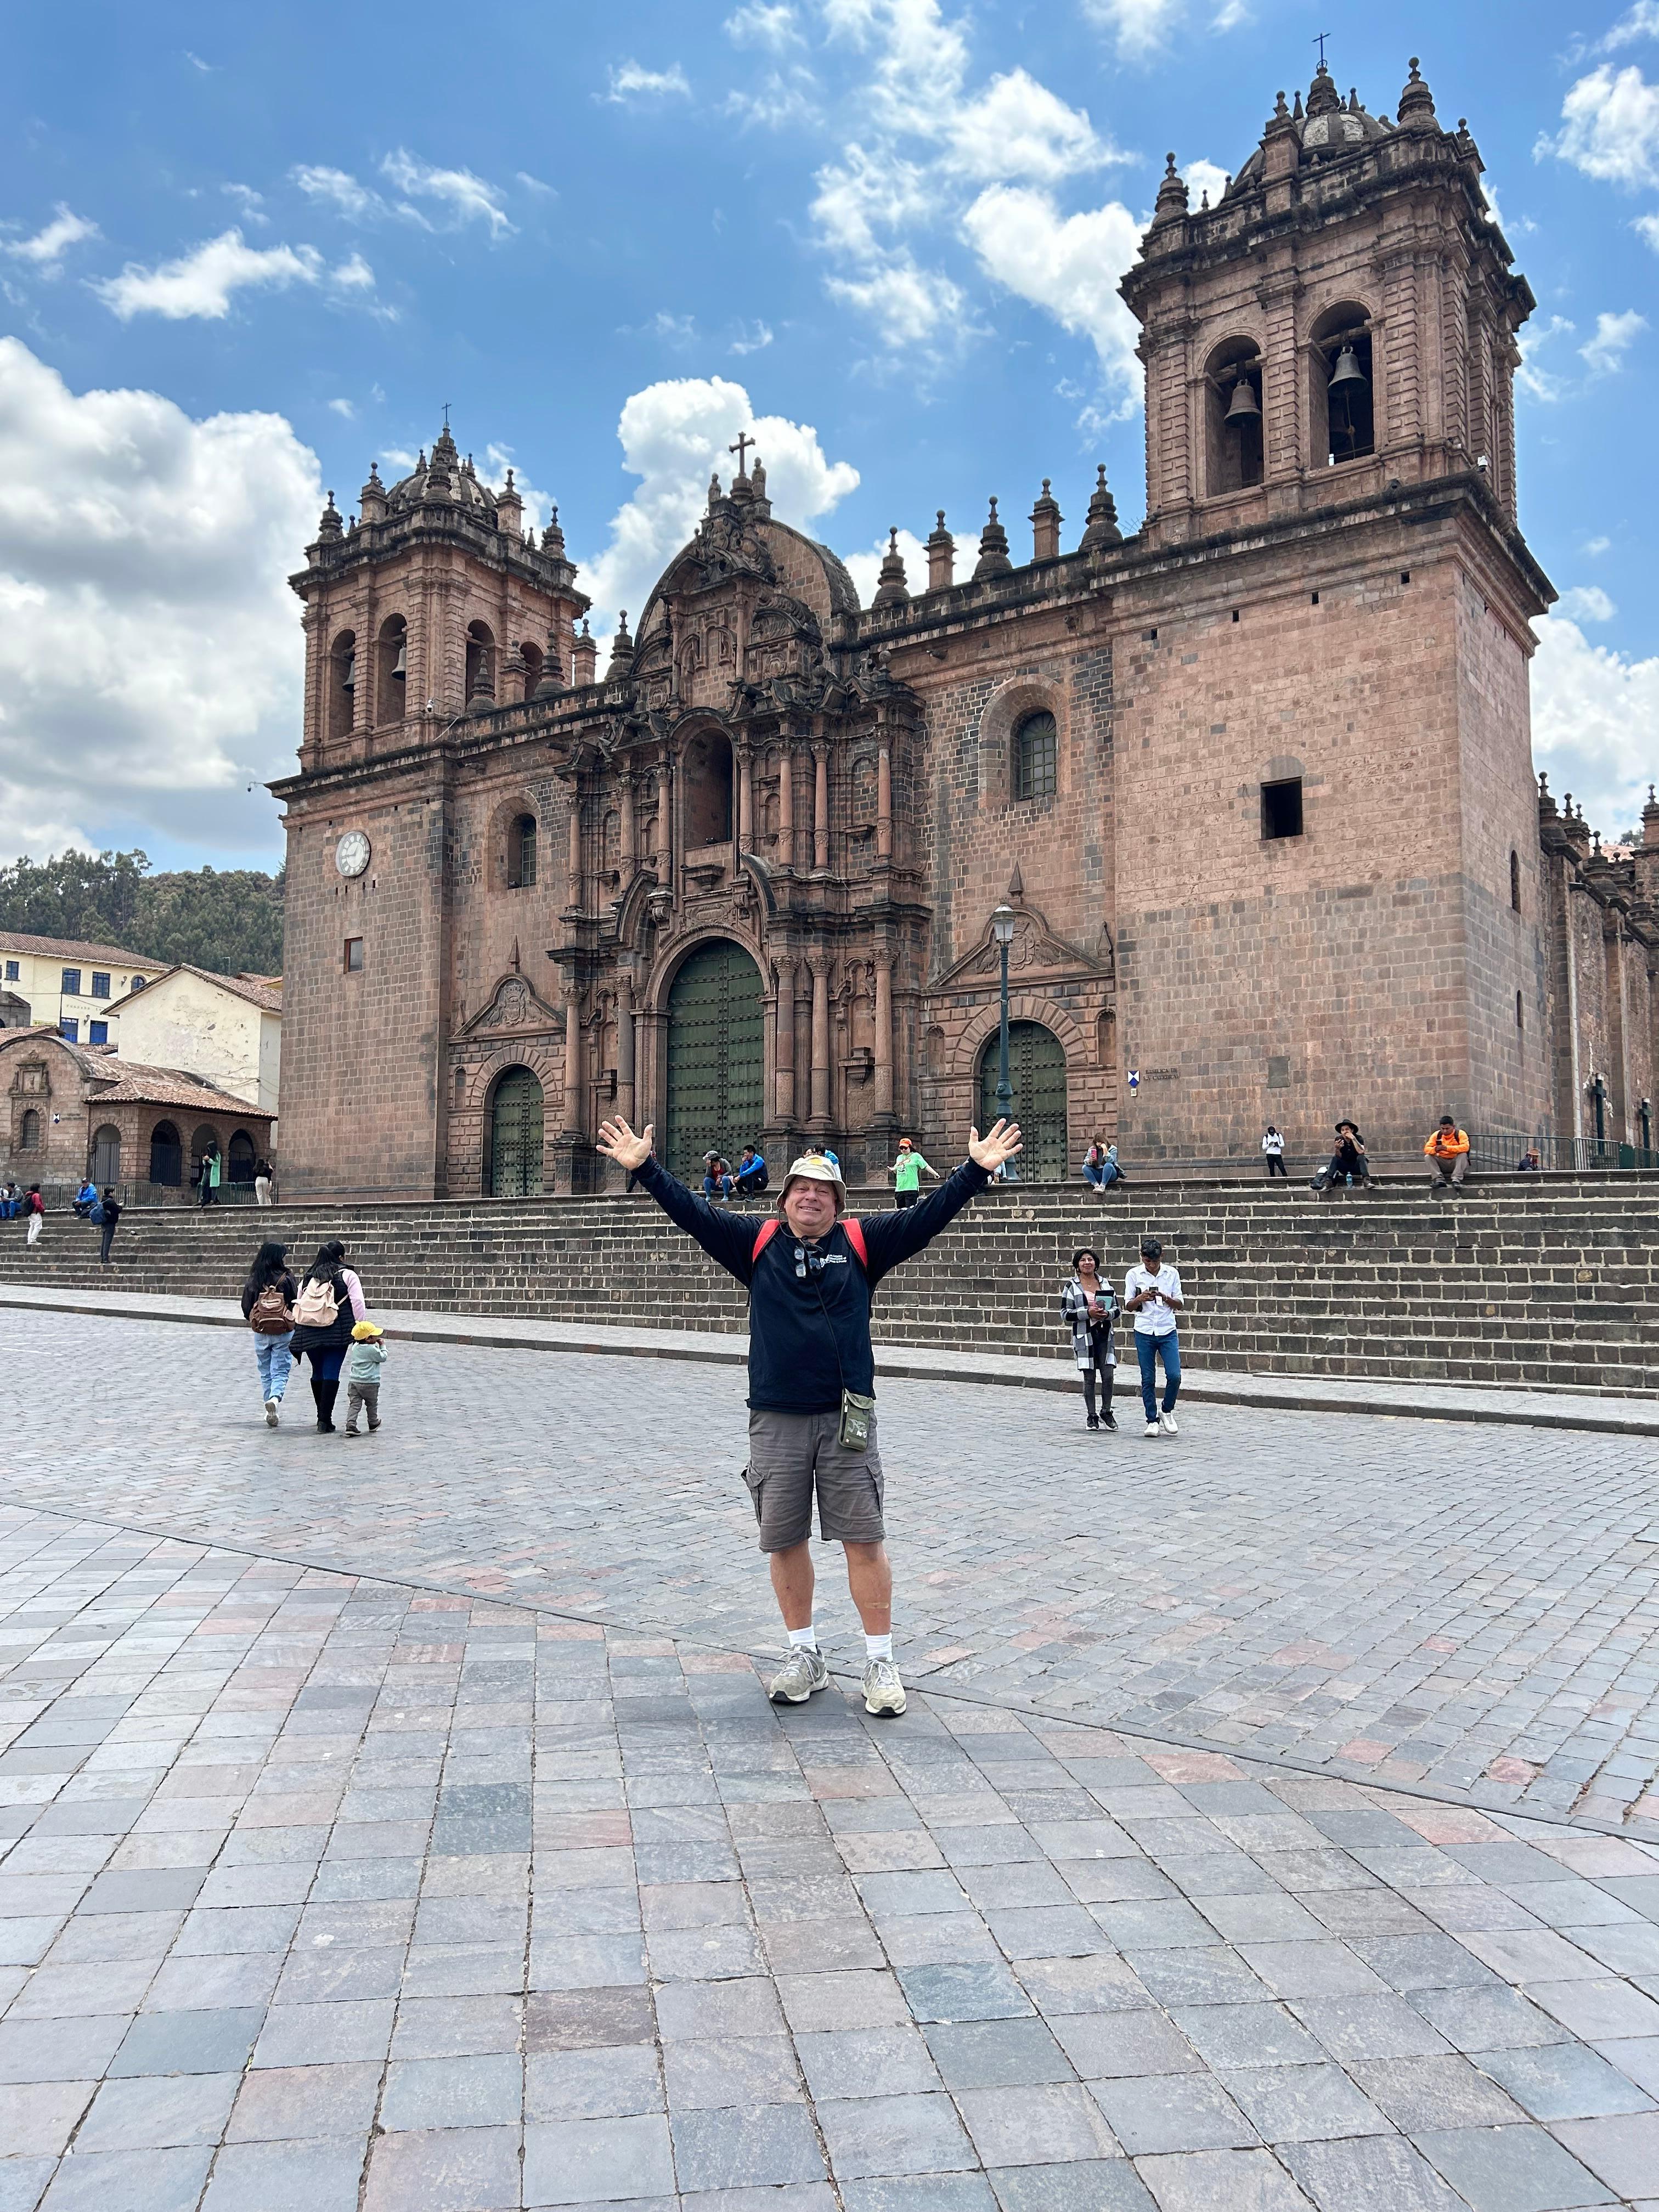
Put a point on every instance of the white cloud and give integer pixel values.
(248, 200)
(755, 340)
(337, 189)
(676, 330)
(342, 407)
(1230, 14)
(1646, 227)
(1586, 602)
(47, 247)
(152, 665)
(1610, 128)
(197, 63)
(864, 568)
(467, 198)
(1594, 721)
(673, 435)
(498, 458)
(1642, 23)
(776, 28)
(1139, 28)
(1596, 546)
(1204, 177)
(866, 194)
(201, 282)
(633, 81)
(1533, 378)
(353, 275)
(1068, 264)
(1018, 128)
(1614, 335)
(906, 302)
(781, 98)
(535, 185)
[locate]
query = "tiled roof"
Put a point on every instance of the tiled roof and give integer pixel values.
(258, 990)
(70, 948)
(124, 1082)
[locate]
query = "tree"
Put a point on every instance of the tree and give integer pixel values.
(229, 920)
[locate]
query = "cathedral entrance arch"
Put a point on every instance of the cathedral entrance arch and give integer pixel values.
(513, 1136)
(1036, 1069)
(715, 1071)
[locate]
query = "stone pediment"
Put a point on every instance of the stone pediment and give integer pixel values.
(1035, 951)
(513, 1009)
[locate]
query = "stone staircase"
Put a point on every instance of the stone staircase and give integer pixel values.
(1551, 1284)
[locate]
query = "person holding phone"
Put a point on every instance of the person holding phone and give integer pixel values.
(1152, 1292)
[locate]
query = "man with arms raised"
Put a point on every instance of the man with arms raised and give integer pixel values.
(811, 1273)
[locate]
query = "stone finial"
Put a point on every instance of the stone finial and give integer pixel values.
(761, 505)
(622, 650)
(330, 529)
(442, 469)
(993, 549)
(1171, 203)
(371, 499)
(941, 557)
(1101, 528)
(1296, 110)
(509, 509)
(1417, 104)
(583, 655)
(551, 680)
(1281, 114)
(553, 537)
(1322, 96)
(893, 587)
(1046, 519)
(1016, 893)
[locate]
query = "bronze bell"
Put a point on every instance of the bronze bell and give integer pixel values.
(1243, 406)
(400, 665)
(1347, 369)
(348, 681)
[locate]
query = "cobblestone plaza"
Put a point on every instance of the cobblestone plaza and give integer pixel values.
(402, 1822)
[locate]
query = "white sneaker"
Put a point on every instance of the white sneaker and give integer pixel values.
(271, 1405)
(883, 1692)
(801, 1673)
(1168, 1425)
(1150, 1429)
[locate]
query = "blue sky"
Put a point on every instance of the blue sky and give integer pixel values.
(245, 251)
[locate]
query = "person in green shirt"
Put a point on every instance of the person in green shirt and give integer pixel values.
(908, 1169)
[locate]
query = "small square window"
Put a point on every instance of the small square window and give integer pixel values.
(1281, 808)
(353, 956)
(97, 1032)
(100, 984)
(11, 971)
(70, 986)
(70, 1028)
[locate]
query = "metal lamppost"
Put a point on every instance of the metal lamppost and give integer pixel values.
(1002, 929)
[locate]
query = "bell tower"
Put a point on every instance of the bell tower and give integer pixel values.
(1341, 323)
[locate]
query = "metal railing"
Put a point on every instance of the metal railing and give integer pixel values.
(1502, 1154)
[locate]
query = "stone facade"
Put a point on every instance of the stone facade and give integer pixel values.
(1256, 780)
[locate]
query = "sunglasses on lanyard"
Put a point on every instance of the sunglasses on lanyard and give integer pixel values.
(807, 1263)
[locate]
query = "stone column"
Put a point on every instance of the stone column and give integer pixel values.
(572, 1116)
(885, 804)
(883, 1105)
(820, 1118)
(625, 1045)
(575, 897)
(745, 801)
(821, 807)
(628, 833)
(786, 807)
(785, 1056)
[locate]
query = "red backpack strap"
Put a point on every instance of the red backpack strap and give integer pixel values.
(855, 1238)
(768, 1230)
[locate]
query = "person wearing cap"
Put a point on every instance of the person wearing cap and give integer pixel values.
(908, 1169)
(1152, 1292)
(1448, 1155)
(810, 1273)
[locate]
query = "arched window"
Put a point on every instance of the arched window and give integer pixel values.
(1343, 412)
(532, 657)
(1232, 402)
(521, 854)
(342, 684)
(480, 663)
(1514, 879)
(166, 1155)
(708, 773)
(106, 1154)
(241, 1157)
(29, 1134)
(391, 670)
(1036, 752)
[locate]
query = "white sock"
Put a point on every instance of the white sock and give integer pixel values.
(806, 1638)
(879, 1647)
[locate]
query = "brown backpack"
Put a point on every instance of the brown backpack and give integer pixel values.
(269, 1314)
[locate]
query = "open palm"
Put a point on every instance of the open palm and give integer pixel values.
(999, 1143)
(628, 1148)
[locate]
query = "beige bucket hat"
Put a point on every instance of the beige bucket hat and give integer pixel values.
(813, 1167)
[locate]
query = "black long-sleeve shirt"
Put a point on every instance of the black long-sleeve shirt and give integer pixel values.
(808, 1333)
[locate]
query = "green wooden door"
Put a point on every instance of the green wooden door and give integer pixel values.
(1036, 1069)
(515, 1136)
(715, 1101)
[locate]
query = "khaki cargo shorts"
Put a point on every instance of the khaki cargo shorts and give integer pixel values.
(792, 1455)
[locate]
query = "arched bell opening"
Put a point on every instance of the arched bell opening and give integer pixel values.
(532, 657)
(480, 663)
(1235, 447)
(1343, 408)
(391, 670)
(707, 770)
(343, 684)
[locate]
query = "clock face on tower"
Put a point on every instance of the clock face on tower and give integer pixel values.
(351, 853)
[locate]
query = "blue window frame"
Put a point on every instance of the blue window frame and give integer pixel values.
(71, 983)
(70, 1028)
(97, 1032)
(100, 984)
(11, 971)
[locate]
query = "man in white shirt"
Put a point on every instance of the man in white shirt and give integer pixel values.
(1152, 1292)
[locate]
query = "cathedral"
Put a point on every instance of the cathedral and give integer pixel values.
(1252, 787)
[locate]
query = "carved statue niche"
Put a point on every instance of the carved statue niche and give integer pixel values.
(513, 1005)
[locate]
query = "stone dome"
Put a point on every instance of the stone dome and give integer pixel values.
(1328, 126)
(445, 476)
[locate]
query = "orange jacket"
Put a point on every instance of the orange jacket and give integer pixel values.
(1440, 1146)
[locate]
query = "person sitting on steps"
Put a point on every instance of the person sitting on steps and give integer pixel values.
(1349, 1167)
(1448, 1154)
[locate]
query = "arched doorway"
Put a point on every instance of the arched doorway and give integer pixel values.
(512, 1137)
(715, 1087)
(166, 1155)
(106, 1154)
(241, 1157)
(1036, 1069)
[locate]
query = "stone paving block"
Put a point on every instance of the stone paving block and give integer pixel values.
(1621, 2151)
(1110, 2045)
(1035, 2125)
(145, 2114)
(758, 2147)
(319, 2175)
(1221, 2181)
(444, 2170)
(904, 2134)
(1446, 2091)
(919, 2192)
(59, 2050)
(325, 2034)
(578, 2019)
(137, 2180)
(1488, 2019)
(38, 2119)
(842, 2000)
(962, 1992)
(1370, 2173)
(1074, 1985)
(606, 2083)
(1078, 2185)
(997, 2054)
(691, 2009)
(1354, 2029)
(867, 2062)
(287, 2104)
(1563, 2082)
(23, 2182)
(1303, 2104)
(481, 2092)
(1191, 1976)
(1515, 2169)
(67, 1992)
(1600, 2009)
(1187, 2111)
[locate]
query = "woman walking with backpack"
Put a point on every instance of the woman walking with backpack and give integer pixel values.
(331, 1299)
(268, 1297)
